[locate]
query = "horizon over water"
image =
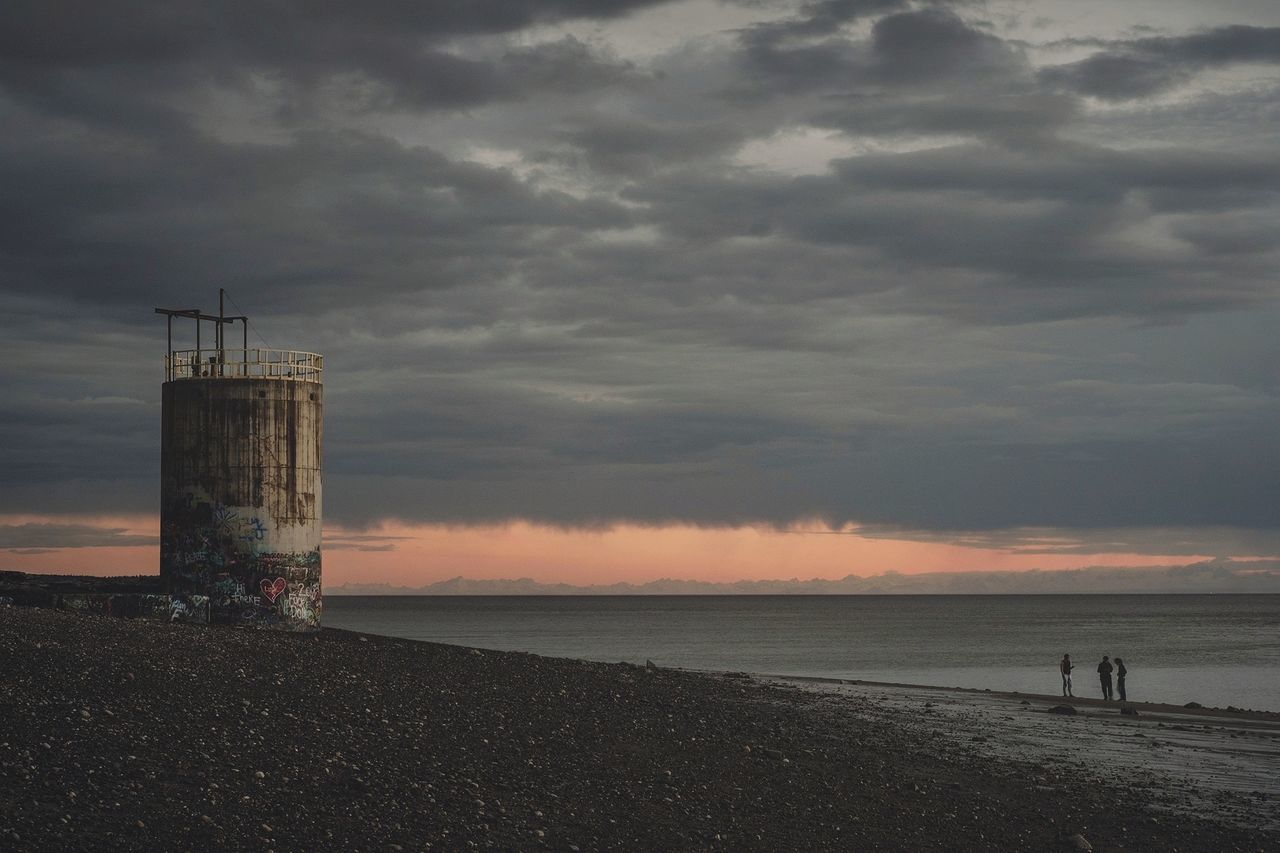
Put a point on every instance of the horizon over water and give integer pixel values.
(1218, 650)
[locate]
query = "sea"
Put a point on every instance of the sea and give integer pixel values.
(1218, 650)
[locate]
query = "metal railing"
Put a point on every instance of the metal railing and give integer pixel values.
(243, 363)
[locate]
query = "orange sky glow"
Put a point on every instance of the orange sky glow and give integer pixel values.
(414, 555)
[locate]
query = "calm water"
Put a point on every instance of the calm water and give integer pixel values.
(1214, 649)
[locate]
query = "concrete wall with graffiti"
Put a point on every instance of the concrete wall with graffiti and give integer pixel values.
(157, 607)
(241, 498)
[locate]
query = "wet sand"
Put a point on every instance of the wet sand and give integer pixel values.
(1189, 760)
(129, 735)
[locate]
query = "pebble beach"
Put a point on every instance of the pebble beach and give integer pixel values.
(133, 735)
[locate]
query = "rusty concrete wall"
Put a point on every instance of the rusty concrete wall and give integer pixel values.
(241, 498)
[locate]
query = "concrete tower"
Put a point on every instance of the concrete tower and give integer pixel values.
(240, 480)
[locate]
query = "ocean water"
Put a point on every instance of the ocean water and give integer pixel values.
(1214, 649)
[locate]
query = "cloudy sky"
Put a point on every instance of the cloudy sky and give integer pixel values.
(624, 289)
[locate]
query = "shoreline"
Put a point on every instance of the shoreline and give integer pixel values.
(1194, 710)
(1201, 760)
(137, 735)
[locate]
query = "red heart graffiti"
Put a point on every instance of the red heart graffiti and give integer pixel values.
(272, 589)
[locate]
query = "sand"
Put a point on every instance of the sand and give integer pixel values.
(128, 735)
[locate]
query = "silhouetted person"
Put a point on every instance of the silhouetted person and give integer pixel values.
(1065, 666)
(1121, 672)
(1104, 675)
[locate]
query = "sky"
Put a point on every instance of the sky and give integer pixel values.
(622, 289)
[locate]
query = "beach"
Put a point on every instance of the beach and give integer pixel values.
(133, 735)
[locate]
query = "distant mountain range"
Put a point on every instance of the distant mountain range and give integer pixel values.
(1213, 576)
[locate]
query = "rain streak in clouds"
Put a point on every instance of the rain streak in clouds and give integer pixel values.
(926, 267)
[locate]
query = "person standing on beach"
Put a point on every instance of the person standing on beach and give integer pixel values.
(1104, 676)
(1121, 672)
(1065, 666)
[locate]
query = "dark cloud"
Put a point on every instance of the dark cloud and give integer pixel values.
(828, 16)
(1149, 66)
(402, 50)
(1119, 77)
(79, 34)
(41, 538)
(636, 148)
(139, 216)
(1010, 117)
(917, 72)
(865, 263)
(923, 46)
(1034, 221)
(905, 49)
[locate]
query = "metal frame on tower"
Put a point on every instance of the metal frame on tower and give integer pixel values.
(220, 320)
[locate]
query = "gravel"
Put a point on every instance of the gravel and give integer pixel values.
(130, 735)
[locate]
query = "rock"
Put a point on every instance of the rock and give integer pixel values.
(775, 754)
(1129, 711)
(1064, 709)
(1079, 842)
(1193, 705)
(258, 774)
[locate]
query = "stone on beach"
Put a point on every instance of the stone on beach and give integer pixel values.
(369, 742)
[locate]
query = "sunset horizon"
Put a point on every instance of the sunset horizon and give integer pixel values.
(415, 555)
